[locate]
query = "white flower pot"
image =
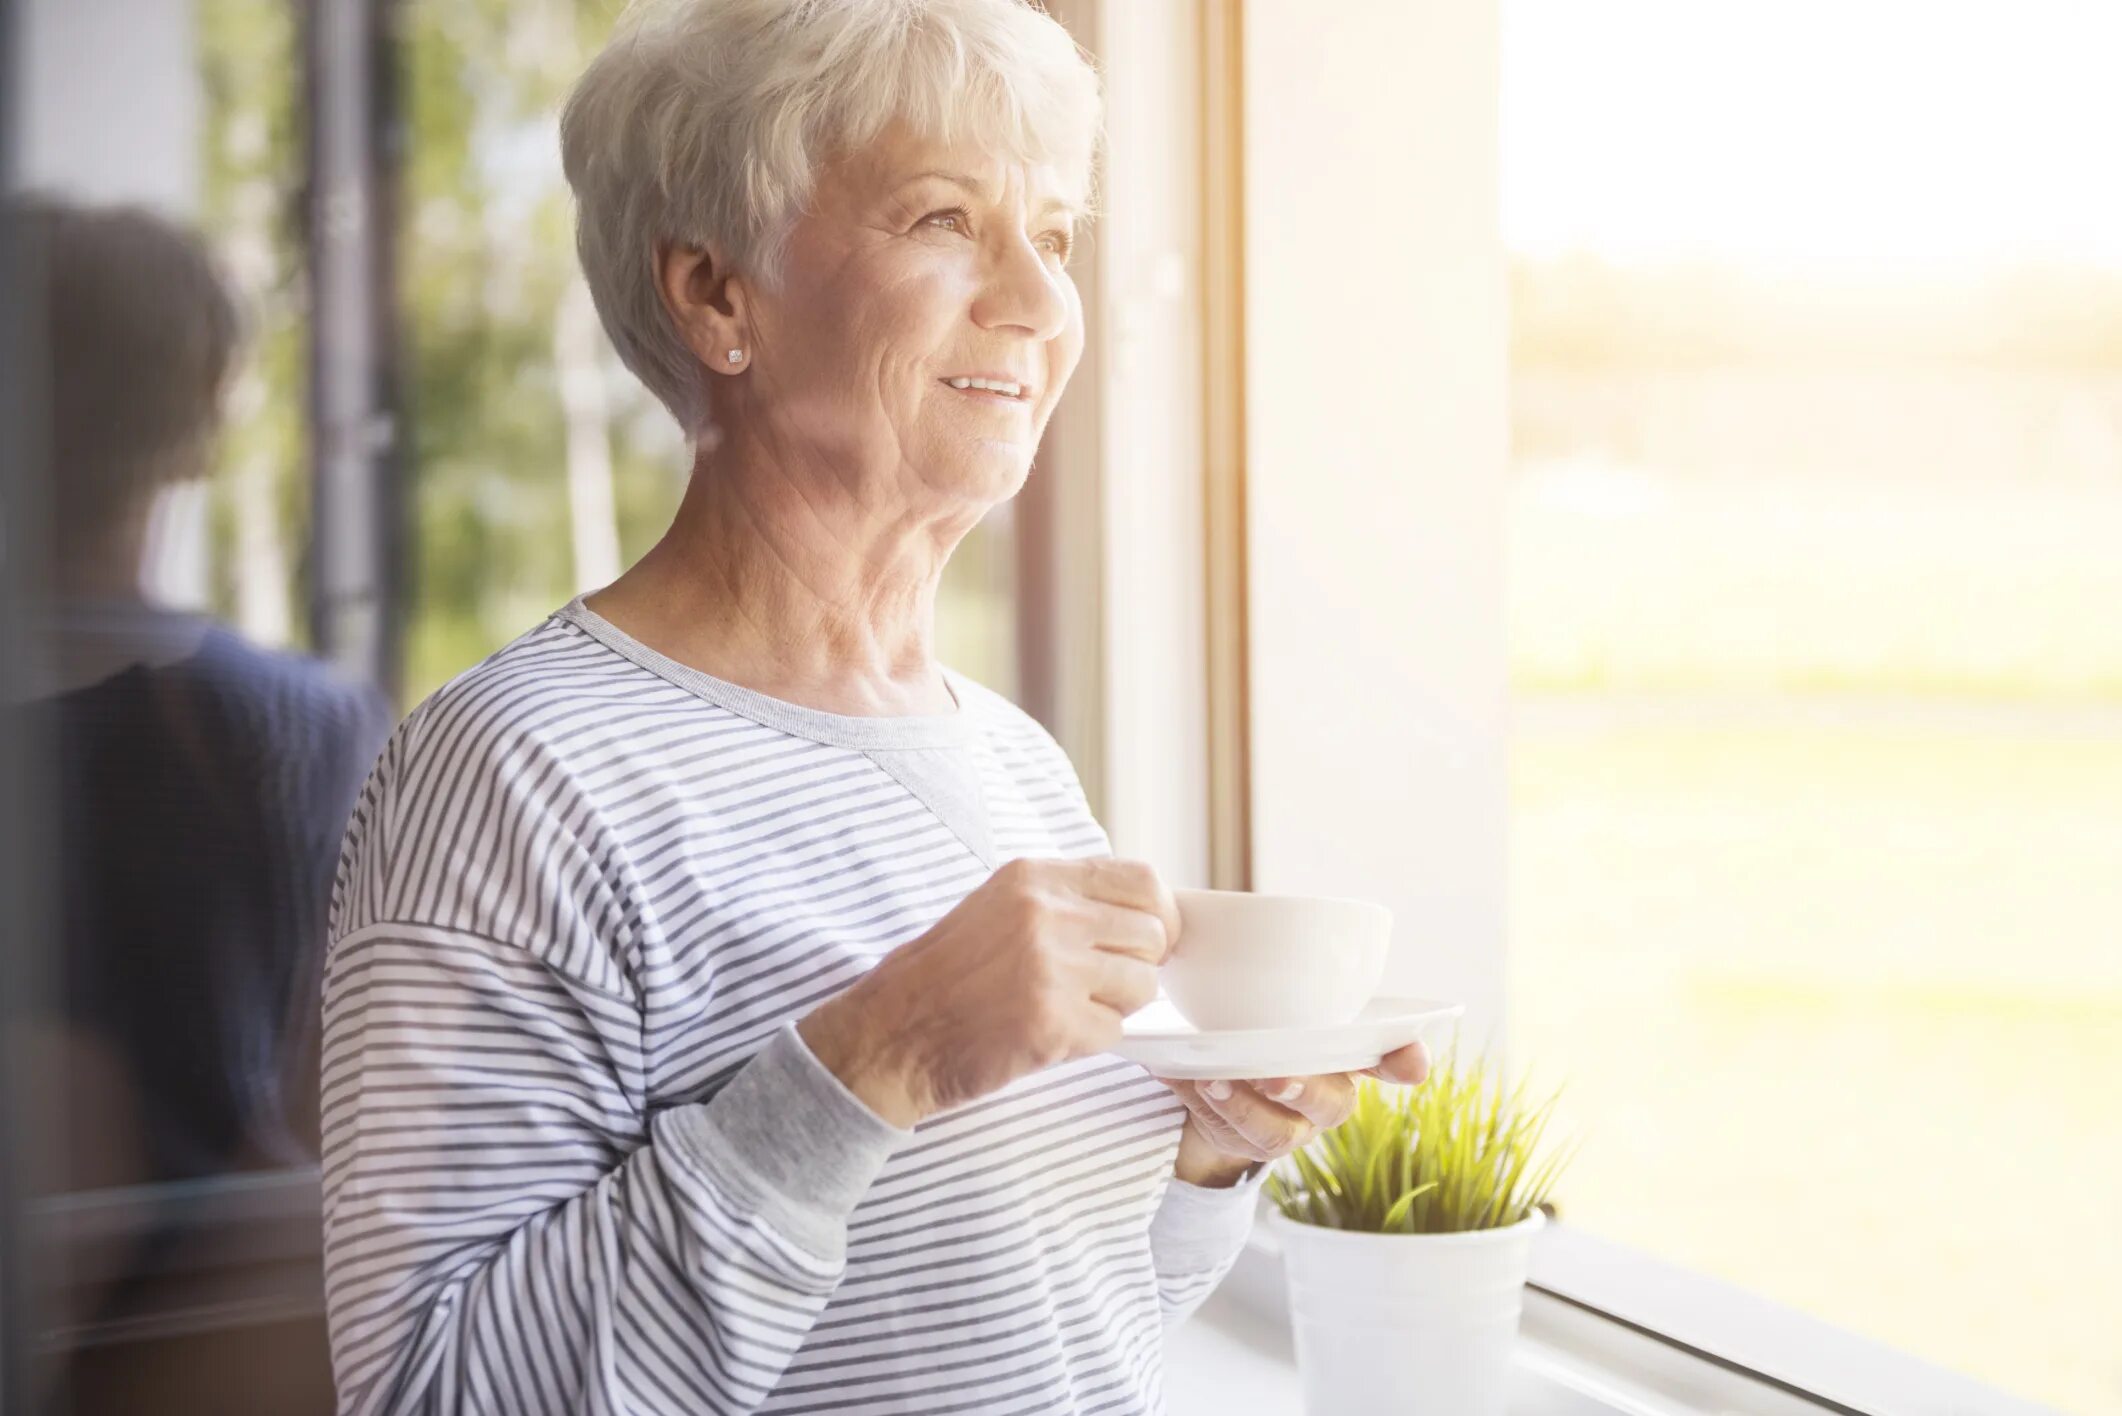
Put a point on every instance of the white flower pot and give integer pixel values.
(1405, 1324)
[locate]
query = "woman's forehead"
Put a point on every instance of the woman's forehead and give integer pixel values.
(987, 171)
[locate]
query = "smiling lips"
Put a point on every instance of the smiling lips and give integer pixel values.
(991, 387)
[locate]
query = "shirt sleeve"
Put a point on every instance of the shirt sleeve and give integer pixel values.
(1195, 1236)
(504, 1229)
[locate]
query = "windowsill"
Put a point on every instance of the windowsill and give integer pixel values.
(1228, 1357)
(189, 1256)
(1711, 1349)
(1606, 1329)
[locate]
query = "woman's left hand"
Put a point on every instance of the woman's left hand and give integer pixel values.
(1233, 1126)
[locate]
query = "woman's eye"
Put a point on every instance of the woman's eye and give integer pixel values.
(957, 220)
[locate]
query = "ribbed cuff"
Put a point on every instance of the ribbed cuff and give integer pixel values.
(1197, 1229)
(789, 1139)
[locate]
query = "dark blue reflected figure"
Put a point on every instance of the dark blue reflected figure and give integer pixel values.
(201, 802)
(199, 787)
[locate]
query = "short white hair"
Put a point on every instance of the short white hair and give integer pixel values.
(707, 120)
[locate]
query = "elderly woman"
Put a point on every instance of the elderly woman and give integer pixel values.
(720, 988)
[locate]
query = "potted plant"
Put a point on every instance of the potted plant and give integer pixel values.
(1406, 1236)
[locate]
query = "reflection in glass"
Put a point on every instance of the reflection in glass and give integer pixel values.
(199, 786)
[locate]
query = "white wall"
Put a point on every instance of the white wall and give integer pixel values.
(109, 104)
(1375, 391)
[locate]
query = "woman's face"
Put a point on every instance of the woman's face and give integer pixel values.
(918, 265)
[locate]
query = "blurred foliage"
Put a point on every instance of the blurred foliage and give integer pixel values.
(252, 175)
(486, 255)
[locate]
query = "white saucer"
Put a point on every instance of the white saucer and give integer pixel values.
(1169, 1046)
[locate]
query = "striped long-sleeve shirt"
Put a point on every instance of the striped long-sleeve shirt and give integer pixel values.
(577, 1159)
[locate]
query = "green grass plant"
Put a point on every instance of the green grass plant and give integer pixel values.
(1457, 1153)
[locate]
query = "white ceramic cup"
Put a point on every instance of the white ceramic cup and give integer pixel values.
(1274, 961)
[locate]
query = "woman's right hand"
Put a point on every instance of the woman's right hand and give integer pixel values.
(1038, 965)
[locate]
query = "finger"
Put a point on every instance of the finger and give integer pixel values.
(1119, 929)
(1220, 1132)
(1324, 1101)
(1135, 884)
(1190, 1093)
(1121, 982)
(1270, 1126)
(1167, 910)
(1210, 1119)
(1408, 1066)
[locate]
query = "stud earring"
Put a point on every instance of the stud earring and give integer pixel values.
(736, 355)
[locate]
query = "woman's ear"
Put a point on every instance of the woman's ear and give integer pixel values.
(707, 304)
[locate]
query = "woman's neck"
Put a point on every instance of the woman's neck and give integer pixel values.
(802, 590)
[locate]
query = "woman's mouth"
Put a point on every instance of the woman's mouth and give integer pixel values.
(990, 390)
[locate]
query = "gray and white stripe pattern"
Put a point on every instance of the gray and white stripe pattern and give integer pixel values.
(577, 1158)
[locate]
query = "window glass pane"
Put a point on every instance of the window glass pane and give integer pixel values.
(195, 765)
(1816, 618)
(200, 764)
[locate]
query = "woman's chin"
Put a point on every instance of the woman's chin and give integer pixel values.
(992, 469)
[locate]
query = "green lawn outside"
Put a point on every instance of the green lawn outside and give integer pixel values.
(1840, 1008)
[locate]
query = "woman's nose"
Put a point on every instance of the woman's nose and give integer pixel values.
(1022, 291)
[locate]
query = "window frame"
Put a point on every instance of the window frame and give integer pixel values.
(1704, 1320)
(359, 456)
(25, 874)
(1115, 599)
